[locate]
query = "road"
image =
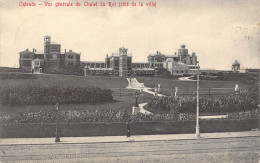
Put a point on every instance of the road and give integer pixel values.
(244, 149)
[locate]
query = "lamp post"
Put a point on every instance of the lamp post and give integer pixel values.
(136, 96)
(197, 117)
(128, 134)
(57, 137)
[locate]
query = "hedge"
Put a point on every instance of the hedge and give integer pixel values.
(37, 130)
(17, 75)
(36, 94)
(246, 100)
(103, 116)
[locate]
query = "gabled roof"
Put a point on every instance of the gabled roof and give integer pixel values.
(71, 52)
(27, 51)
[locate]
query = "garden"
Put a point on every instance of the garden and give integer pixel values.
(28, 106)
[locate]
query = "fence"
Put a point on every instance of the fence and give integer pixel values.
(38, 130)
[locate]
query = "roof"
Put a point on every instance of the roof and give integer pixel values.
(72, 52)
(171, 56)
(169, 60)
(27, 51)
(236, 63)
(163, 55)
(155, 54)
(178, 63)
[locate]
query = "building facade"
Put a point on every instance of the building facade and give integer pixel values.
(119, 64)
(176, 68)
(51, 57)
(157, 60)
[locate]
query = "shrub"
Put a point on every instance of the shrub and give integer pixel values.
(246, 100)
(36, 94)
(13, 75)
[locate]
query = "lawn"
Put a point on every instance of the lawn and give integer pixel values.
(189, 87)
(122, 101)
(57, 79)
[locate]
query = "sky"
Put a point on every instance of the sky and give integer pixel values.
(218, 31)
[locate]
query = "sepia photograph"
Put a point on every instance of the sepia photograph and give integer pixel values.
(129, 81)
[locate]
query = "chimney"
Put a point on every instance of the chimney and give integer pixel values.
(65, 51)
(33, 50)
(157, 52)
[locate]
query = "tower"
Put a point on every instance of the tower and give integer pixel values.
(122, 61)
(193, 59)
(235, 66)
(47, 41)
(183, 53)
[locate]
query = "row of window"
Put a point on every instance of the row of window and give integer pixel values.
(140, 65)
(180, 71)
(63, 56)
(116, 71)
(162, 59)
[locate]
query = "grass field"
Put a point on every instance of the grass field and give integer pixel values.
(168, 85)
(117, 84)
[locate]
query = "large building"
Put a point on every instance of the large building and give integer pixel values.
(119, 64)
(176, 68)
(51, 58)
(157, 60)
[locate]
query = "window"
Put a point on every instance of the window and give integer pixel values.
(70, 57)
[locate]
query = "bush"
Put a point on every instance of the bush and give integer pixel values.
(74, 70)
(36, 94)
(246, 100)
(105, 116)
(13, 75)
